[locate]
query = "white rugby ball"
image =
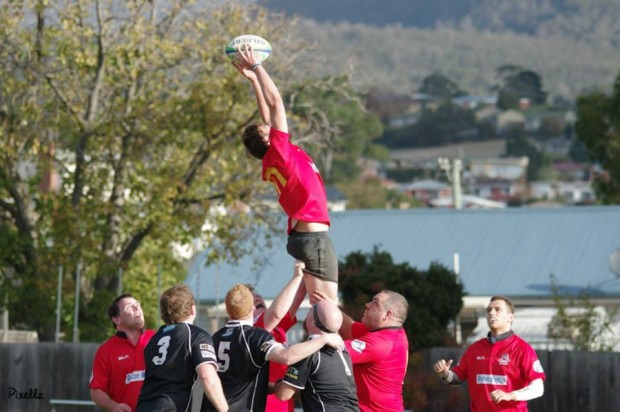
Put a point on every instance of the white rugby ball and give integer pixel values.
(260, 46)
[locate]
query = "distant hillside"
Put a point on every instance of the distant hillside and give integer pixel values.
(578, 19)
(398, 59)
(393, 44)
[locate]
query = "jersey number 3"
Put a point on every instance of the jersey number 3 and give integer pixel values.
(163, 344)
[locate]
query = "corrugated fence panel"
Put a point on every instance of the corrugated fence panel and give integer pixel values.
(32, 374)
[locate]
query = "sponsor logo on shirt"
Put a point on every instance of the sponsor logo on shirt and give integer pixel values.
(168, 328)
(228, 332)
(265, 346)
(134, 376)
(504, 360)
(358, 345)
(537, 366)
(123, 357)
(484, 379)
(292, 373)
(206, 346)
(480, 358)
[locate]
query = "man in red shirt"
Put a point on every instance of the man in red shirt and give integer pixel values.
(502, 371)
(278, 319)
(299, 185)
(379, 351)
(118, 367)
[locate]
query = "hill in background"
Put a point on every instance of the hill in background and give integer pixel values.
(393, 44)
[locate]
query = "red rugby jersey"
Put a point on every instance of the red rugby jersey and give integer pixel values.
(299, 185)
(507, 365)
(118, 368)
(379, 365)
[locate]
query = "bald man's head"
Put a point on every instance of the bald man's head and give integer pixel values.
(326, 316)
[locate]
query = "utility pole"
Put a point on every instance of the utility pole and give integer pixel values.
(453, 168)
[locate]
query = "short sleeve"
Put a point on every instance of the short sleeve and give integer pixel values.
(368, 348)
(100, 374)
(297, 374)
(203, 350)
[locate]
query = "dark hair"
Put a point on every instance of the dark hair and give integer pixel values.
(114, 311)
(509, 304)
(253, 141)
(176, 304)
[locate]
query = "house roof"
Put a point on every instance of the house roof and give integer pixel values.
(505, 251)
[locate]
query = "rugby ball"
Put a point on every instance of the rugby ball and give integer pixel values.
(261, 47)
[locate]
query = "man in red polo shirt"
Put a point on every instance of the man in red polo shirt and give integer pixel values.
(379, 350)
(118, 368)
(502, 371)
(296, 178)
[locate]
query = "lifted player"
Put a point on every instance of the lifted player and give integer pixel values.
(300, 189)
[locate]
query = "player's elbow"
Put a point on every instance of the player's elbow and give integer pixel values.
(283, 392)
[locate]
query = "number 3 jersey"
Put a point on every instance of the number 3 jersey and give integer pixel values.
(171, 357)
(242, 353)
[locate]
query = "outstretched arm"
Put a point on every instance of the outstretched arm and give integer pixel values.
(249, 74)
(299, 351)
(283, 303)
(270, 92)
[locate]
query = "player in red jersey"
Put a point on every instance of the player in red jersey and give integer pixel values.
(299, 185)
(379, 351)
(278, 319)
(118, 367)
(502, 371)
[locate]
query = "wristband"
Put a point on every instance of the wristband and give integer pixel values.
(255, 66)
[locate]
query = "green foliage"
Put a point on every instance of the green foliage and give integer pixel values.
(449, 123)
(580, 323)
(370, 194)
(440, 86)
(519, 144)
(598, 128)
(434, 296)
(119, 125)
(515, 83)
(332, 119)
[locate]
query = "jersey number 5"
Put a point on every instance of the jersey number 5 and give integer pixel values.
(223, 360)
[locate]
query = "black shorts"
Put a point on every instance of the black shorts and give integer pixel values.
(315, 249)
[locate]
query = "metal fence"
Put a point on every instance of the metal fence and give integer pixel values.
(34, 377)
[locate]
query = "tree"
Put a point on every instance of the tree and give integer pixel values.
(598, 128)
(581, 323)
(434, 296)
(119, 126)
(518, 144)
(440, 86)
(332, 117)
(515, 83)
